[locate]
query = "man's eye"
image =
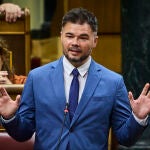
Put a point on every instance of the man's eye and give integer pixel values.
(83, 38)
(69, 36)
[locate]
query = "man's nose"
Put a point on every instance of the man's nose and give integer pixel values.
(75, 41)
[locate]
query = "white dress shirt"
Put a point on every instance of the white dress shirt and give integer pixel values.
(83, 71)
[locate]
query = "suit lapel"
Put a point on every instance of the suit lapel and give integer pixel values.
(94, 76)
(58, 80)
(58, 84)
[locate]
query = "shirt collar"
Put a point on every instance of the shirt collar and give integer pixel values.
(83, 69)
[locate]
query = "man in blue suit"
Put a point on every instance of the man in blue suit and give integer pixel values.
(102, 101)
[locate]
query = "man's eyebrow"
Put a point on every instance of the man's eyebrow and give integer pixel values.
(68, 33)
(84, 34)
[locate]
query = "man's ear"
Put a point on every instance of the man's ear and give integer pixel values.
(61, 35)
(95, 41)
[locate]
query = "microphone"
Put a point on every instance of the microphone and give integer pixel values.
(66, 109)
(61, 131)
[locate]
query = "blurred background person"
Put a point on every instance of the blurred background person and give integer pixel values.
(3, 78)
(7, 75)
(11, 12)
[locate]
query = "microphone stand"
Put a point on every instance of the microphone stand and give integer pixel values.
(61, 131)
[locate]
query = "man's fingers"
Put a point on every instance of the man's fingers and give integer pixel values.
(1, 9)
(3, 92)
(18, 97)
(148, 94)
(11, 11)
(130, 96)
(145, 89)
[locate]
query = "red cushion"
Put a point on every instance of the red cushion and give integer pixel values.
(7, 143)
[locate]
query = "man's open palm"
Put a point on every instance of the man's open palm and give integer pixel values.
(8, 107)
(141, 106)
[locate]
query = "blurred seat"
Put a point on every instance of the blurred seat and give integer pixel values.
(13, 89)
(8, 143)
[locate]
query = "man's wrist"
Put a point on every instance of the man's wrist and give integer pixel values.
(142, 122)
(7, 120)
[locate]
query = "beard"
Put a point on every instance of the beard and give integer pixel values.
(79, 60)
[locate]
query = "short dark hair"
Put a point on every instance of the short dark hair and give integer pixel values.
(81, 16)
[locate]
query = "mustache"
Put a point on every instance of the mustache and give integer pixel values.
(74, 49)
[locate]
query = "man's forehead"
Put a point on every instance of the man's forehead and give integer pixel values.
(72, 28)
(76, 25)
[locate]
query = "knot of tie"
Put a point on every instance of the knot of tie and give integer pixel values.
(75, 72)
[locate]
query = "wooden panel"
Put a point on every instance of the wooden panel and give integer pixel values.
(5, 27)
(47, 49)
(55, 27)
(17, 36)
(106, 11)
(108, 52)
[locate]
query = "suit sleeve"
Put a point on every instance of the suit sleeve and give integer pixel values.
(125, 127)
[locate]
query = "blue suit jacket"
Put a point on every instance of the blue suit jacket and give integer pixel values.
(104, 104)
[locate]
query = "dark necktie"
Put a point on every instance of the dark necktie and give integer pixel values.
(74, 93)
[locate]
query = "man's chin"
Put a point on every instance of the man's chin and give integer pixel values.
(73, 59)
